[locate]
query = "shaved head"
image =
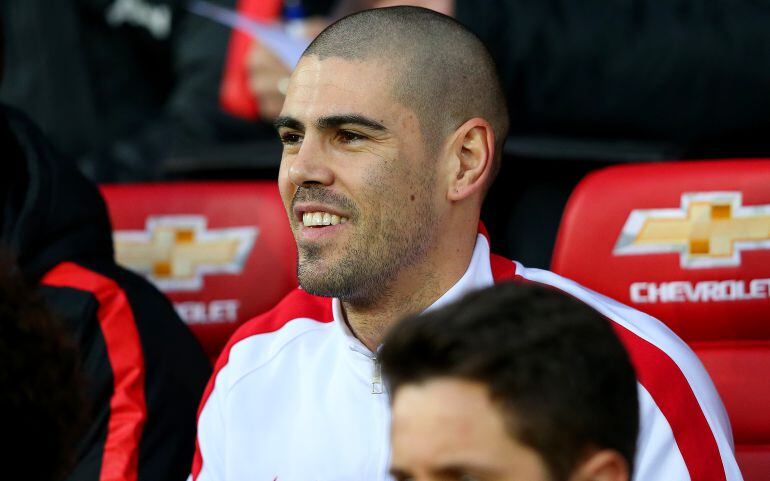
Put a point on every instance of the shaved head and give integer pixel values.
(441, 70)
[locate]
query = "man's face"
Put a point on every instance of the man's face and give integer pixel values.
(449, 429)
(357, 182)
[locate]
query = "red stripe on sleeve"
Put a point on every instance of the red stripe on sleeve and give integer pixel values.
(663, 379)
(197, 463)
(128, 409)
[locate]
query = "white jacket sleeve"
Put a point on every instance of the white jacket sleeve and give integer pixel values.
(209, 461)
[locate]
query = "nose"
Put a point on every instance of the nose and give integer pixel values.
(310, 165)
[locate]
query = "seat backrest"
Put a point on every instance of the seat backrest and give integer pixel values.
(221, 251)
(689, 243)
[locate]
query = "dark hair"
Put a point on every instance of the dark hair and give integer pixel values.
(442, 70)
(42, 398)
(562, 378)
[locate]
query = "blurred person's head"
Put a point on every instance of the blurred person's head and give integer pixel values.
(392, 129)
(515, 382)
(48, 208)
(42, 399)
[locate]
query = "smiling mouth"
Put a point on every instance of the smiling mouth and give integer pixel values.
(321, 219)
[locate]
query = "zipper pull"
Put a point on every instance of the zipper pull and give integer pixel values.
(377, 387)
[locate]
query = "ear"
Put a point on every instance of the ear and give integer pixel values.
(604, 465)
(472, 153)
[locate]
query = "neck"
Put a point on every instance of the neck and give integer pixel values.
(413, 290)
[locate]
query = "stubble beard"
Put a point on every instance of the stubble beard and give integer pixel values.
(362, 272)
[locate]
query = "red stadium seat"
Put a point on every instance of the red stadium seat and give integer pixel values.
(688, 243)
(222, 252)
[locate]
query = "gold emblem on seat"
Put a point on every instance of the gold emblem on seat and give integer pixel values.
(177, 251)
(709, 229)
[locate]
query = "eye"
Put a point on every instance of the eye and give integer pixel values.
(290, 138)
(348, 136)
(403, 477)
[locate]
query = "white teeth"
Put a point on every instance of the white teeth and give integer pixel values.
(310, 219)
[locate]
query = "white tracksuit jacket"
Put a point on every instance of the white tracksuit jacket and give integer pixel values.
(296, 397)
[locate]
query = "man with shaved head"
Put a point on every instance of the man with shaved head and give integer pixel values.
(392, 131)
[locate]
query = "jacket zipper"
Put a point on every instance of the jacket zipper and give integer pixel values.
(377, 387)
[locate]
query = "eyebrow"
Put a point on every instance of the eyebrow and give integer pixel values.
(347, 119)
(450, 471)
(399, 473)
(329, 122)
(288, 122)
(456, 470)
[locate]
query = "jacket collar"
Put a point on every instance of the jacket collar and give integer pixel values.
(477, 275)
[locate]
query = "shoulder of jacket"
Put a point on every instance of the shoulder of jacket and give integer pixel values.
(637, 329)
(296, 314)
(296, 304)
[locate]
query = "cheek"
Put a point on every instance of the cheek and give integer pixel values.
(285, 187)
(394, 178)
(283, 172)
(419, 193)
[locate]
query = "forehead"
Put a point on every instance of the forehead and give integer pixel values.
(335, 85)
(456, 418)
(446, 424)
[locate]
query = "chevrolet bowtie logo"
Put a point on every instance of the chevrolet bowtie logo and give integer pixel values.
(710, 229)
(176, 251)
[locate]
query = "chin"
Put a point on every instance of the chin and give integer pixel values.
(318, 286)
(313, 277)
(324, 282)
